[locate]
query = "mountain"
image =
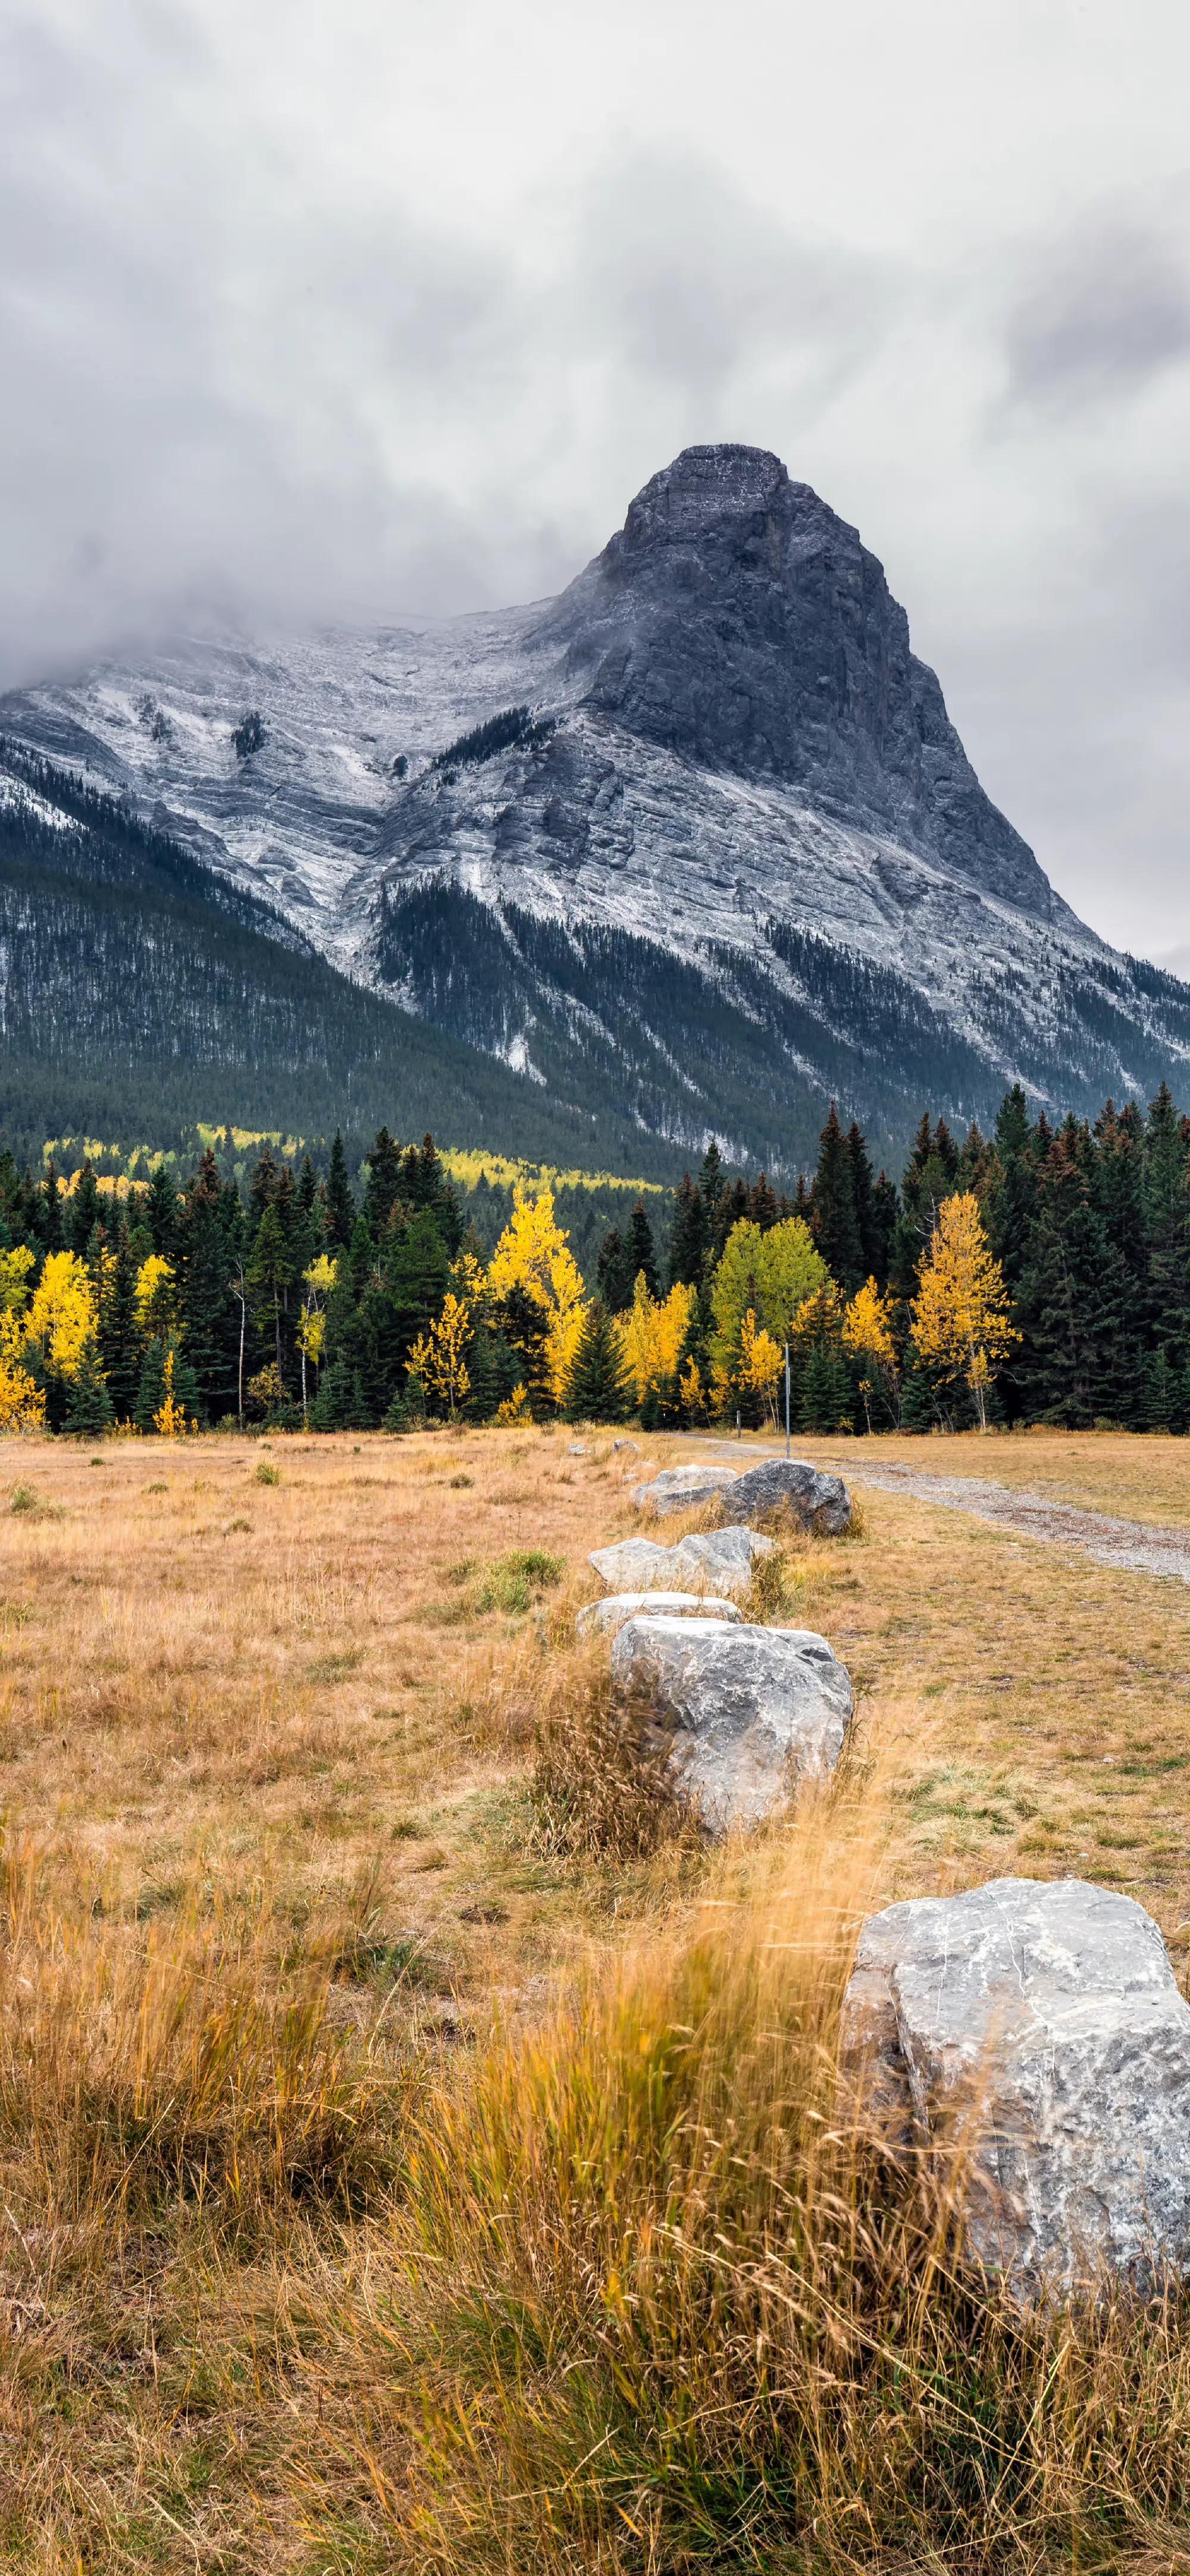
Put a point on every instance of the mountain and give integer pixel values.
(686, 851)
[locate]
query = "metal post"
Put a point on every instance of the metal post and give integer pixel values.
(787, 1399)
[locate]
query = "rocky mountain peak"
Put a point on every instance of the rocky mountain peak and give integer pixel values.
(737, 620)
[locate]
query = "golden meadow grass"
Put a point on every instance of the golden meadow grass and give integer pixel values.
(414, 2153)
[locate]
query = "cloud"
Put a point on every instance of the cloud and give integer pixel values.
(366, 313)
(1109, 310)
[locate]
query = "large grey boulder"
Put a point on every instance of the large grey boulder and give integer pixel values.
(720, 1559)
(1035, 2031)
(790, 1484)
(681, 1489)
(753, 1711)
(724, 1557)
(621, 1606)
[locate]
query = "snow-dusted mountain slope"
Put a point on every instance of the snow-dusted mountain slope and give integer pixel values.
(724, 855)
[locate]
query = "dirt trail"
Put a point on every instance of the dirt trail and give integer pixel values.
(1136, 1545)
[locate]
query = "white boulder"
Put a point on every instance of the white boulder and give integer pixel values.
(1035, 2030)
(753, 1711)
(635, 1564)
(620, 1606)
(681, 1489)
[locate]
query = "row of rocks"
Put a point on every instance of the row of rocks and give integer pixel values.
(1027, 2038)
(751, 1711)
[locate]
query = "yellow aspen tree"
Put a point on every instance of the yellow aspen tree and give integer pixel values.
(533, 1255)
(761, 1362)
(154, 1297)
(437, 1355)
(960, 1313)
(651, 1334)
(867, 1336)
(62, 1318)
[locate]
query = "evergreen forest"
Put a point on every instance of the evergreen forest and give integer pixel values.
(1036, 1274)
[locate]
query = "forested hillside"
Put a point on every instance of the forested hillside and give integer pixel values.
(1035, 1275)
(141, 991)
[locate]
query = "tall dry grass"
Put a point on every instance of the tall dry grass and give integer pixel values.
(666, 2309)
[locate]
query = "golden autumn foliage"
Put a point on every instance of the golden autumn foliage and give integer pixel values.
(60, 1320)
(960, 1313)
(652, 1333)
(437, 1355)
(154, 1296)
(533, 1255)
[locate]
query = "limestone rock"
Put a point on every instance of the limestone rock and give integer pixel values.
(753, 1710)
(681, 1489)
(725, 1557)
(720, 1559)
(577, 1449)
(635, 1564)
(621, 1606)
(1043, 2023)
(617, 1445)
(790, 1484)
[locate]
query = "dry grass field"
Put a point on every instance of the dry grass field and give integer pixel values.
(413, 2158)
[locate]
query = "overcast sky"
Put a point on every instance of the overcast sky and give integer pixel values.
(357, 308)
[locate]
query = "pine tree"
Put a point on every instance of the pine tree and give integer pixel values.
(597, 1384)
(82, 1212)
(711, 1178)
(762, 1203)
(873, 1248)
(640, 1249)
(1166, 1211)
(827, 1400)
(688, 1236)
(836, 1223)
(1072, 1296)
(340, 1205)
(119, 1338)
(383, 1186)
(89, 1412)
(270, 1273)
(614, 1272)
(50, 1210)
(160, 1211)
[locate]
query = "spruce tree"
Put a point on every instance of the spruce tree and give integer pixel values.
(340, 1205)
(1072, 1297)
(836, 1223)
(160, 1211)
(383, 1186)
(119, 1339)
(597, 1384)
(614, 1272)
(89, 1412)
(50, 1209)
(688, 1236)
(640, 1248)
(83, 1209)
(1166, 1211)
(873, 1247)
(762, 1203)
(827, 1395)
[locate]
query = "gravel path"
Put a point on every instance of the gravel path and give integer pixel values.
(1136, 1545)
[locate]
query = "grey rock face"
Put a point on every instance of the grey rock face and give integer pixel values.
(753, 1710)
(819, 1502)
(724, 1556)
(622, 1606)
(635, 1564)
(736, 619)
(721, 1559)
(1041, 2026)
(681, 1489)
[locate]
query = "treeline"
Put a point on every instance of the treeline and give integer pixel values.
(1032, 1275)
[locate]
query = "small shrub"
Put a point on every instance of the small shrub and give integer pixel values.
(25, 1500)
(515, 1581)
(458, 1482)
(267, 1474)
